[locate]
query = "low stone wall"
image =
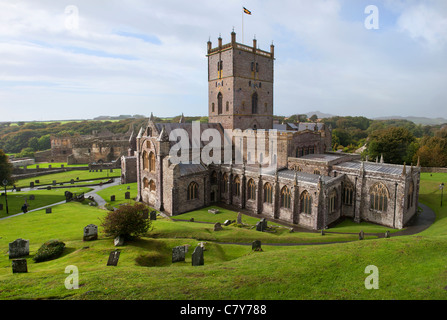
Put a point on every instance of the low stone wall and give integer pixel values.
(434, 169)
(31, 173)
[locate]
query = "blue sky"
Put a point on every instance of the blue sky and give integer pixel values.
(138, 57)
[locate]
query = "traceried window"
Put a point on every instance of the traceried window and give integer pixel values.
(237, 186)
(379, 197)
(332, 201)
(285, 197)
(348, 195)
(268, 193)
(251, 190)
(214, 178)
(193, 191)
(145, 161)
(306, 203)
(151, 162)
(224, 183)
(316, 171)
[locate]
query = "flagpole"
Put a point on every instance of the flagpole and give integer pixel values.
(242, 25)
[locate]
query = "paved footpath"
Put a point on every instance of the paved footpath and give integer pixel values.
(100, 201)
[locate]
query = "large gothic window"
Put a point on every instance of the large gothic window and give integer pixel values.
(237, 186)
(379, 197)
(268, 193)
(254, 103)
(332, 201)
(348, 194)
(224, 183)
(306, 203)
(145, 161)
(219, 103)
(151, 162)
(193, 191)
(285, 197)
(251, 190)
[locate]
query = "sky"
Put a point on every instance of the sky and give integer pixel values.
(81, 59)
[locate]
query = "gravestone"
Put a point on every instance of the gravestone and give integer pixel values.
(260, 226)
(146, 214)
(72, 181)
(127, 195)
(112, 198)
(153, 215)
(128, 187)
(191, 220)
(49, 188)
(49, 166)
(322, 232)
(37, 166)
(361, 235)
(37, 181)
(217, 226)
(32, 197)
(54, 182)
(227, 222)
(113, 258)
(111, 170)
(18, 248)
(239, 218)
(62, 166)
(213, 211)
(178, 253)
(118, 241)
(202, 245)
(31, 184)
(197, 256)
(256, 245)
(90, 232)
(19, 266)
(48, 210)
(387, 234)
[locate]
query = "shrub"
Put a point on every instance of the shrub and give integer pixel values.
(127, 221)
(49, 250)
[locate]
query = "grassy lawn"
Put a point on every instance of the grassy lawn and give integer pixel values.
(119, 193)
(65, 177)
(410, 267)
(55, 165)
(42, 198)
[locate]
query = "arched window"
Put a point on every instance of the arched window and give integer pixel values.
(306, 203)
(268, 193)
(299, 152)
(151, 162)
(237, 186)
(410, 195)
(316, 171)
(348, 194)
(219, 103)
(145, 161)
(379, 197)
(193, 191)
(224, 183)
(251, 190)
(227, 106)
(145, 183)
(212, 107)
(214, 177)
(285, 197)
(332, 201)
(152, 186)
(254, 103)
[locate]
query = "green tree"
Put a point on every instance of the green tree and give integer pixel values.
(126, 221)
(393, 143)
(44, 142)
(5, 168)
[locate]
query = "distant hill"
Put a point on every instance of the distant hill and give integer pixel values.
(416, 120)
(319, 114)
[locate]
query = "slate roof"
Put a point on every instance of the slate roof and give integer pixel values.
(385, 168)
(169, 127)
(187, 169)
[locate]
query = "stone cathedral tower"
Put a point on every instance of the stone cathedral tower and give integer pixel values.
(240, 85)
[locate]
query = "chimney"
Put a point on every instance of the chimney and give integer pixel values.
(272, 51)
(233, 37)
(254, 45)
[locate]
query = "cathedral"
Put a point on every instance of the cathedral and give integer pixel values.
(285, 172)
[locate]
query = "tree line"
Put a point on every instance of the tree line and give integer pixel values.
(398, 141)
